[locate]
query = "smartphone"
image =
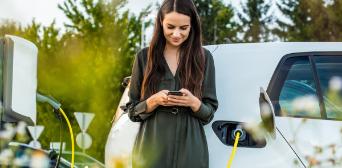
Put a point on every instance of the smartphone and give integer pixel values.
(177, 93)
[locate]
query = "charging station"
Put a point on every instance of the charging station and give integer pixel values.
(18, 75)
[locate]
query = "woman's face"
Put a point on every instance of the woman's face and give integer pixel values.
(176, 28)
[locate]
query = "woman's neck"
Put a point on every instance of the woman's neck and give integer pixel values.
(170, 49)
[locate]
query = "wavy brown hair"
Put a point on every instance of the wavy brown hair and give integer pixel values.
(192, 60)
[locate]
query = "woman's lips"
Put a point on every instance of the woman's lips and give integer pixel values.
(175, 40)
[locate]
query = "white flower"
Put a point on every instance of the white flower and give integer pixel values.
(307, 103)
(335, 83)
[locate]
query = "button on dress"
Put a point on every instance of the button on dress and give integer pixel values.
(171, 137)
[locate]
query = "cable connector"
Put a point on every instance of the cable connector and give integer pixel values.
(241, 131)
(48, 99)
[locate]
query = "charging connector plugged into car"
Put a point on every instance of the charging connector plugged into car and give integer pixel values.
(240, 130)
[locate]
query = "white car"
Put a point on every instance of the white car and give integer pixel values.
(303, 82)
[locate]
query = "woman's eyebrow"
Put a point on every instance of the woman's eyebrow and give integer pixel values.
(179, 26)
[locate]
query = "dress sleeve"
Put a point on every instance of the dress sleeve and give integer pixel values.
(136, 108)
(209, 100)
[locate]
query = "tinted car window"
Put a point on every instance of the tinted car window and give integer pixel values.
(296, 94)
(329, 71)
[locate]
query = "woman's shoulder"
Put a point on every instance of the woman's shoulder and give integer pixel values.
(207, 54)
(142, 54)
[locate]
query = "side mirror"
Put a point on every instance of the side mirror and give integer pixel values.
(126, 81)
(267, 113)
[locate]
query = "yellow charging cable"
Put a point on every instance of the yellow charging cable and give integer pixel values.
(72, 137)
(234, 149)
(57, 106)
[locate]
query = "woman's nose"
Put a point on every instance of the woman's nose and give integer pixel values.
(176, 33)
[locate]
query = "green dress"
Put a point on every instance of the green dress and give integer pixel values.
(171, 137)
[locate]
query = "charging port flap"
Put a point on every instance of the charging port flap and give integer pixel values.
(226, 131)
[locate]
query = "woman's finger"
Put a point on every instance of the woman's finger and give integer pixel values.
(176, 104)
(167, 104)
(175, 97)
(178, 101)
(164, 97)
(182, 98)
(185, 91)
(164, 92)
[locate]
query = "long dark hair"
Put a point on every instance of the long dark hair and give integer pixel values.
(191, 64)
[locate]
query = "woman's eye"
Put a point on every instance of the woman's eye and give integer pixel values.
(170, 27)
(183, 28)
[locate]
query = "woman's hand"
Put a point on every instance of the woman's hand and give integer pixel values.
(187, 100)
(156, 100)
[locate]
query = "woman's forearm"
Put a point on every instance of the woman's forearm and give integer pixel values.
(151, 105)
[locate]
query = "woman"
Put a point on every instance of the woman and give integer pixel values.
(171, 132)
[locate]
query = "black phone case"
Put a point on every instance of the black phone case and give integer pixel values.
(177, 93)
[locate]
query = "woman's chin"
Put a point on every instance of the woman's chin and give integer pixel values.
(175, 44)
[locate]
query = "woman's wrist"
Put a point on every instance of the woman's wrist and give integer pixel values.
(150, 105)
(196, 105)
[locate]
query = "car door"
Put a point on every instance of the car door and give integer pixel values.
(122, 135)
(306, 91)
(240, 72)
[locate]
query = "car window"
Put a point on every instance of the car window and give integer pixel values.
(298, 95)
(329, 71)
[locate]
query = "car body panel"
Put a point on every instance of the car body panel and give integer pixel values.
(241, 69)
